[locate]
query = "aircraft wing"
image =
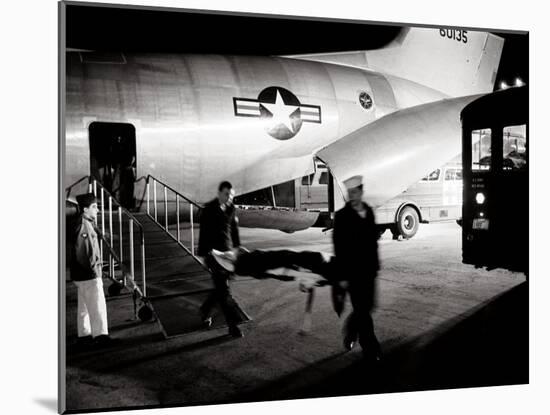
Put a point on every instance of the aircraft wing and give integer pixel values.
(399, 149)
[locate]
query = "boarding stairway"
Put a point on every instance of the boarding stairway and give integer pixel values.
(150, 254)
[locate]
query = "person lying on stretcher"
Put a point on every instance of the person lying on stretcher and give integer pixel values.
(287, 265)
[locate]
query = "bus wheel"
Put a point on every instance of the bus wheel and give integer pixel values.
(407, 223)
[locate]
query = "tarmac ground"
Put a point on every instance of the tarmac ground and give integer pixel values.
(441, 324)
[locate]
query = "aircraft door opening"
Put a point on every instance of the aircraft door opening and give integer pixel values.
(113, 159)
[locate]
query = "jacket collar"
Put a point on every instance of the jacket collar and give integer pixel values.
(84, 217)
(352, 210)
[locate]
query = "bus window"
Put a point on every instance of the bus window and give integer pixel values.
(513, 147)
(324, 178)
(432, 177)
(453, 174)
(481, 149)
(307, 180)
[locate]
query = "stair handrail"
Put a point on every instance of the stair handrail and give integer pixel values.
(164, 225)
(132, 221)
(187, 199)
(69, 188)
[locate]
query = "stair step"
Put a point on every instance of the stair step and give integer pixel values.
(166, 273)
(179, 287)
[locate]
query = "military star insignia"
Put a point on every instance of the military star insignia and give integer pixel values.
(281, 112)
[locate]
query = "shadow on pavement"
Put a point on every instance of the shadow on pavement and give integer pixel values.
(488, 346)
(125, 357)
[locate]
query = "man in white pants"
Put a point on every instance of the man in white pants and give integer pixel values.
(87, 276)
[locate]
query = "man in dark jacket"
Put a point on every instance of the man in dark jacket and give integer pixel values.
(355, 240)
(219, 230)
(87, 275)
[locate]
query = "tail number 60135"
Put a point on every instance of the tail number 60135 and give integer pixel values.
(458, 35)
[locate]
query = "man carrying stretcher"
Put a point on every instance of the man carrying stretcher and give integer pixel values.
(353, 269)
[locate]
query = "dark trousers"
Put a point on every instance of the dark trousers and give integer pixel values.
(359, 323)
(221, 294)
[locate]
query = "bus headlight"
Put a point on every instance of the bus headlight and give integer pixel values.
(480, 198)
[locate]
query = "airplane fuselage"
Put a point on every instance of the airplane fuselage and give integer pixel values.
(201, 119)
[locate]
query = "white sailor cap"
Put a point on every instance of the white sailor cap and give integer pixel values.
(353, 182)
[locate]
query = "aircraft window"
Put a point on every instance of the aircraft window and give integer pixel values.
(514, 151)
(453, 174)
(433, 176)
(307, 180)
(481, 149)
(324, 178)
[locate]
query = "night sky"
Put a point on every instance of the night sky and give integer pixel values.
(146, 30)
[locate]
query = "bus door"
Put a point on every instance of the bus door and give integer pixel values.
(511, 194)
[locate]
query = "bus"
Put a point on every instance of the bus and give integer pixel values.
(436, 197)
(495, 210)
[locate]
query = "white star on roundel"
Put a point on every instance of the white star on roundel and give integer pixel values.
(281, 112)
